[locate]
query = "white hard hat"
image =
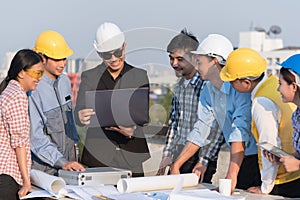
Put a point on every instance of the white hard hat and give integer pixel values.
(108, 37)
(215, 45)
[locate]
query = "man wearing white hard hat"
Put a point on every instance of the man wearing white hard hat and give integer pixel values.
(117, 146)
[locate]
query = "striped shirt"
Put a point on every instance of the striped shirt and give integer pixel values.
(14, 129)
(183, 115)
(296, 133)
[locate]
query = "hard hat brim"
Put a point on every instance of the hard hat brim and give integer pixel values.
(224, 77)
(199, 52)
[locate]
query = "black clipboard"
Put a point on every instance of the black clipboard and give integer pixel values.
(273, 149)
(125, 107)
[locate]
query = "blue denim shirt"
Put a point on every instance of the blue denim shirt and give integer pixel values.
(231, 109)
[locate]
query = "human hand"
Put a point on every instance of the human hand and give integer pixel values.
(290, 163)
(85, 115)
(126, 131)
(271, 157)
(255, 189)
(200, 170)
(24, 189)
(165, 162)
(73, 166)
(233, 181)
(174, 169)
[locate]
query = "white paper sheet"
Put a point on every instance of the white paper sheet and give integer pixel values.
(153, 183)
(34, 194)
(202, 194)
(88, 192)
(52, 184)
(39, 192)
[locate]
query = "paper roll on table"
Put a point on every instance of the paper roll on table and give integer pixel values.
(152, 183)
(52, 184)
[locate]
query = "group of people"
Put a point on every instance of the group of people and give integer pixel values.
(222, 96)
(225, 95)
(38, 121)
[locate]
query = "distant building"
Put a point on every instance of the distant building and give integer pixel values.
(259, 41)
(6, 63)
(79, 65)
(163, 76)
(75, 79)
(271, 49)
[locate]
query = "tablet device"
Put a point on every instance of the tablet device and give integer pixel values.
(124, 107)
(273, 149)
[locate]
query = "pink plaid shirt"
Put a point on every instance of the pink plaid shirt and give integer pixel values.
(14, 129)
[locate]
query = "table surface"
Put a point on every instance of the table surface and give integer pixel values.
(248, 195)
(239, 192)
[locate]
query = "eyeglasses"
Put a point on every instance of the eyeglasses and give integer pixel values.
(107, 55)
(37, 74)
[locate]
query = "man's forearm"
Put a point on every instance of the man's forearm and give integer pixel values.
(236, 158)
(188, 151)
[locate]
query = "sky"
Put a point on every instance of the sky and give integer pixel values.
(152, 21)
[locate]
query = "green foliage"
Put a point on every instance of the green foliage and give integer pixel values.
(160, 108)
(166, 103)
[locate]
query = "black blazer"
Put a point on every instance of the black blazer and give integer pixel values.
(101, 145)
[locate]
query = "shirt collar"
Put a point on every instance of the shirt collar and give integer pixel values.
(17, 84)
(257, 86)
(193, 81)
(47, 79)
(125, 69)
(225, 88)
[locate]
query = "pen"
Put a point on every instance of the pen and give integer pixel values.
(99, 196)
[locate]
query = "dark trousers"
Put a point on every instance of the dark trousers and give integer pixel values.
(290, 189)
(249, 174)
(8, 188)
(189, 165)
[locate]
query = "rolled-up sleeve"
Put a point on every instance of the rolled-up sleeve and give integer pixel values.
(241, 119)
(264, 110)
(205, 120)
(17, 114)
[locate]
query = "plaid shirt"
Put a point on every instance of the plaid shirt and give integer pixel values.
(296, 126)
(183, 115)
(14, 129)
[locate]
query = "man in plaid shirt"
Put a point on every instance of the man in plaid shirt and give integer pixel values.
(183, 113)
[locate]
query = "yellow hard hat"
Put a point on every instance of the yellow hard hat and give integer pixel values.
(243, 63)
(53, 45)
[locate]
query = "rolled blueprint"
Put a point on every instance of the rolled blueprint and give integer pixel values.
(52, 184)
(151, 183)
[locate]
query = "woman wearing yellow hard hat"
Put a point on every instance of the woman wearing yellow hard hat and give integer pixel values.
(245, 69)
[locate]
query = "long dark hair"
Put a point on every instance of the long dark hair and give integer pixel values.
(287, 75)
(23, 60)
